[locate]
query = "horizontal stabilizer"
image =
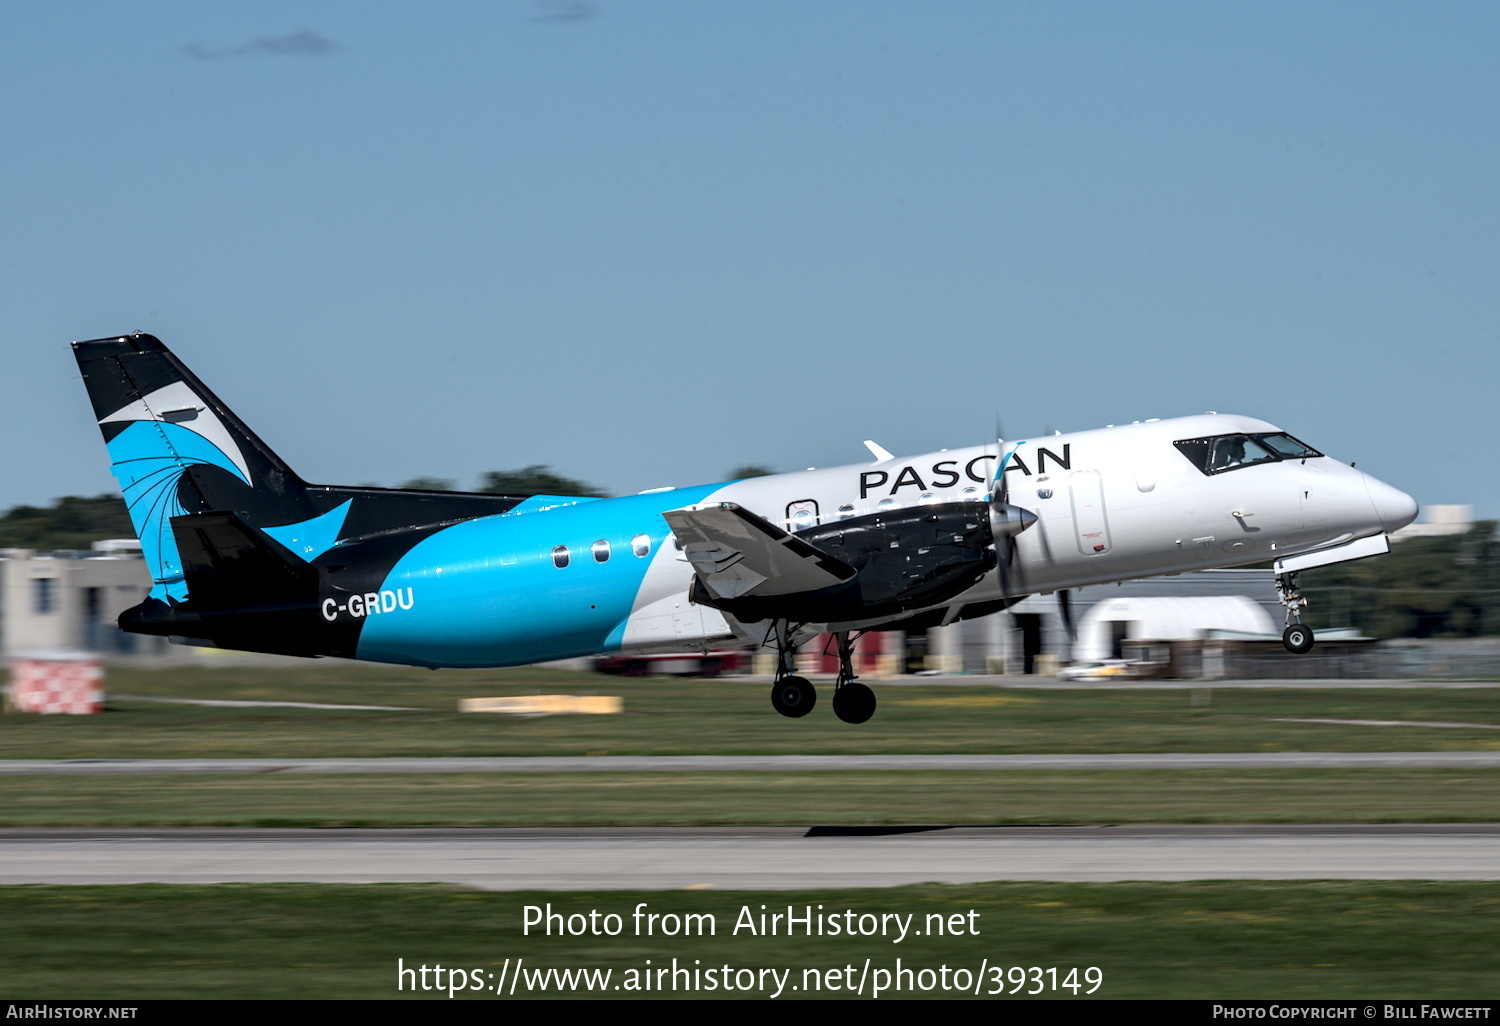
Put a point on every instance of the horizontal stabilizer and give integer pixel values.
(736, 553)
(230, 564)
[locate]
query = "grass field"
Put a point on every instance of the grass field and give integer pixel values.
(935, 797)
(1219, 940)
(1222, 940)
(665, 716)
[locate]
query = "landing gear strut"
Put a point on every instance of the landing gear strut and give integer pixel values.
(1298, 637)
(853, 702)
(791, 695)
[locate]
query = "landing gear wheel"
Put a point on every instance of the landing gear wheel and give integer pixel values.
(854, 703)
(794, 696)
(1297, 638)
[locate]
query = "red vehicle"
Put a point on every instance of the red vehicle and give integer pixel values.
(677, 664)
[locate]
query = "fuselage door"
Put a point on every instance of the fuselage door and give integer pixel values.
(1090, 526)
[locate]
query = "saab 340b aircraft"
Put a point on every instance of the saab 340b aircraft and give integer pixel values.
(246, 555)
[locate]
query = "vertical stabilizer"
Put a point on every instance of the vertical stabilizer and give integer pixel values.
(176, 449)
(243, 553)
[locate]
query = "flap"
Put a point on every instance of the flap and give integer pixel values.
(736, 553)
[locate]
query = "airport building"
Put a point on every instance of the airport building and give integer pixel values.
(1032, 636)
(1110, 621)
(67, 601)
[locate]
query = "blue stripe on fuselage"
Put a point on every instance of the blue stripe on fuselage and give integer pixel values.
(486, 592)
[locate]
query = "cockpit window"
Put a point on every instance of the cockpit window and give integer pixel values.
(1218, 453)
(1287, 447)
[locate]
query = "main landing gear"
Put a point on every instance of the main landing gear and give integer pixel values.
(791, 695)
(1298, 636)
(795, 696)
(853, 702)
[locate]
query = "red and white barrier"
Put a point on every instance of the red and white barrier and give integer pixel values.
(56, 684)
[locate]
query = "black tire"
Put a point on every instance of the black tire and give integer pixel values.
(793, 696)
(854, 703)
(1297, 638)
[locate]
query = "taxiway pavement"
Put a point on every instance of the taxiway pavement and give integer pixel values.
(751, 858)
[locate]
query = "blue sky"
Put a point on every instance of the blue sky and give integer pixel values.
(647, 242)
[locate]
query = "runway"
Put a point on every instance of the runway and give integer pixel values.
(751, 858)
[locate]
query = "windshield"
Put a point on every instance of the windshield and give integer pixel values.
(1218, 453)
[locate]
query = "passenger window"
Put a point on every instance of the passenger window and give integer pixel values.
(641, 544)
(846, 511)
(600, 549)
(560, 556)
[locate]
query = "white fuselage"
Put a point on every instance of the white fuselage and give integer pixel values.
(1111, 504)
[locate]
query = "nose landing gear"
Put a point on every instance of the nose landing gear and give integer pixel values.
(1298, 637)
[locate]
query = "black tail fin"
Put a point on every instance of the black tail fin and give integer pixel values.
(226, 527)
(134, 379)
(176, 448)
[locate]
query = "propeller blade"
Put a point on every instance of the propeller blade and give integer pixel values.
(999, 484)
(1006, 521)
(1005, 550)
(1065, 607)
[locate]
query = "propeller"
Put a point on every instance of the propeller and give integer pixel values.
(1006, 522)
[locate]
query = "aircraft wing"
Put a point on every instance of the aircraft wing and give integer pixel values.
(736, 553)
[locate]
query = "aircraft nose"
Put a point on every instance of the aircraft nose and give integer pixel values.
(1394, 507)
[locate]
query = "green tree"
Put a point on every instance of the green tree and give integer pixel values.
(537, 479)
(431, 484)
(1448, 586)
(750, 470)
(72, 522)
